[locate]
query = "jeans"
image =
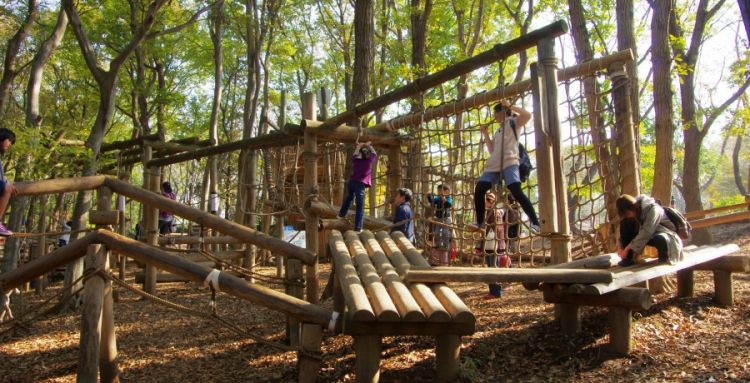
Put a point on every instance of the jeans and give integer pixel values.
(355, 191)
(443, 234)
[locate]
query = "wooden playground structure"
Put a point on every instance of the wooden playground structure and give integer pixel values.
(382, 284)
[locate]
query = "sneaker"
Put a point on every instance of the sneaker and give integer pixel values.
(534, 229)
(4, 231)
(625, 262)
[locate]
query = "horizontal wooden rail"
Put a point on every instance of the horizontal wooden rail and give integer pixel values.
(272, 299)
(60, 185)
(345, 133)
(484, 98)
(227, 227)
(193, 240)
(496, 53)
(722, 219)
(490, 275)
(324, 210)
(273, 139)
(691, 215)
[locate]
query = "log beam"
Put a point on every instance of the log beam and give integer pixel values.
(485, 275)
(496, 53)
(233, 229)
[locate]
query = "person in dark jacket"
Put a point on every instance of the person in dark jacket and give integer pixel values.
(443, 202)
(403, 215)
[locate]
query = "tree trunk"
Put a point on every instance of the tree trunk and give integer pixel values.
(585, 53)
(11, 55)
(626, 40)
(661, 59)
(42, 56)
(216, 20)
(736, 166)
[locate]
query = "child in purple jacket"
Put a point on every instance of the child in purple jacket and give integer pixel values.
(364, 156)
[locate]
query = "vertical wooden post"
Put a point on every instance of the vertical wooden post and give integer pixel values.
(91, 317)
(108, 345)
(367, 350)
(544, 168)
(570, 322)
(279, 234)
(394, 175)
(625, 135)
(311, 191)
(41, 248)
(561, 241)
(309, 367)
(685, 283)
(447, 357)
(150, 219)
(723, 290)
(620, 321)
(121, 230)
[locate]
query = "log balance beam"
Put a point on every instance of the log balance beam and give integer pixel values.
(242, 233)
(141, 252)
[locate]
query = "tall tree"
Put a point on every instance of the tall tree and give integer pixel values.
(661, 62)
(626, 40)
(33, 120)
(11, 54)
(696, 123)
(216, 23)
(585, 53)
(364, 51)
(106, 80)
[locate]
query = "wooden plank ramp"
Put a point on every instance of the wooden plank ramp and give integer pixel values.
(631, 275)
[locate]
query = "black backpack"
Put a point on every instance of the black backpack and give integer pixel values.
(524, 161)
(684, 229)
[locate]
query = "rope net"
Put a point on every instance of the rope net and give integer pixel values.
(449, 150)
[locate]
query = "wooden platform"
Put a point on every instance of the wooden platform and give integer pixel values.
(375, 301)
(621, 299)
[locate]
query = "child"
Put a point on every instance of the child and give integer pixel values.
(502, 165)
(644, 222)
(165, 217)
(512, 219)
(364, 156)
(7, 189)
(443, 203)
(65, 236)
(402, 208)
(493, 244)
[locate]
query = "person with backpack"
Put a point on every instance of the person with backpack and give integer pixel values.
(503, 163)
(644, 222)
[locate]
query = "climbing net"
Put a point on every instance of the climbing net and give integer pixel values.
(449, 150)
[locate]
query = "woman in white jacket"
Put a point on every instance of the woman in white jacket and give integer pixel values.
(644, 222)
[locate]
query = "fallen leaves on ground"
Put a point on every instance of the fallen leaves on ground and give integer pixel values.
(516, 339)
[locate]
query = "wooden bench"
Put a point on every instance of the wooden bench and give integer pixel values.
(595, 282)
(375, 301)
(621, 299)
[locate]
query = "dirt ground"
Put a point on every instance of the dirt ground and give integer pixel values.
(516, 339)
